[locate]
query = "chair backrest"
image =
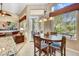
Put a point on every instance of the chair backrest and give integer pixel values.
(61, 47)
(53, 33)
(46, 34)
(37, 41)
(50, 33)
(62, 41)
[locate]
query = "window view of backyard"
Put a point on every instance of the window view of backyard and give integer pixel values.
(65, 23)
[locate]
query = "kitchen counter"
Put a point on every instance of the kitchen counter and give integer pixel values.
(8, 31)
(8, 40)
(7, 46)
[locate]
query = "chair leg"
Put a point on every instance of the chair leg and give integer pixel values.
(46, 54)
(61, 51)
(34, 51)
(48, 51)
(64, 51)
(51, 50)
(54, 51)
(40, 52)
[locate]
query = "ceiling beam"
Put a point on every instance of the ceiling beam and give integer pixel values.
(65, 10)
(23, 18)
(51, 4)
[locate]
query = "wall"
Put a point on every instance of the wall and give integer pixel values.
(23, 24)
(74, 45)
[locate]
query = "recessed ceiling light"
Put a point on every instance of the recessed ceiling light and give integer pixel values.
(40, 21)
(45, 19)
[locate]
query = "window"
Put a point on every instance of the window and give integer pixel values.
(60, 5)
(66, 23)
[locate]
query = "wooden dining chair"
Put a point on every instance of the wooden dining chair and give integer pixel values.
(53, 33)
(40, 46)
(47, 34)
(59, 47)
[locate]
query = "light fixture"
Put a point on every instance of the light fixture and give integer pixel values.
(40, 20)
(3, 13)
(44, 19)
(3, 49)
(51, 18)
(21, 29)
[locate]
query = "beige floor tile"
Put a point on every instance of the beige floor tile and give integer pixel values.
(28, 50)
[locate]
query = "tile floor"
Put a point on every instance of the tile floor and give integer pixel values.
(27, 49)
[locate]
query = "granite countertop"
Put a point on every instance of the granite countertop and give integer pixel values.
(5, 31)
(9, 46)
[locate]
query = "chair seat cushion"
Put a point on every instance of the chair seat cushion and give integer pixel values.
(43, 45)
(56, 44)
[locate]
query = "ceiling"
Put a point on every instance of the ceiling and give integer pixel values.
(17, 8)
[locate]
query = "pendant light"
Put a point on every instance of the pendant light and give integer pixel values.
(3, 13)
